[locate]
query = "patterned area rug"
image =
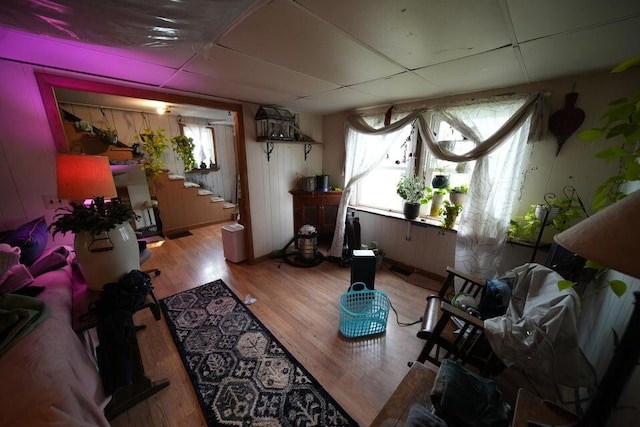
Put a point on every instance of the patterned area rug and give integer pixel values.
(240, 372)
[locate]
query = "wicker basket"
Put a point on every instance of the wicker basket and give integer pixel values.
(363, 311)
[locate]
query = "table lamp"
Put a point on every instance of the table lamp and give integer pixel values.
(611, 238)
(105, 244)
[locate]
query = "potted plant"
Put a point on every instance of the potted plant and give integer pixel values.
(441, 179)
(105, 244)
(458, 194)
(154, 143)
(450, 212)
(183, 146)
(436, 201)
(413, 191)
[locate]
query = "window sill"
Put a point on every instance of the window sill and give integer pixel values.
(419, 222)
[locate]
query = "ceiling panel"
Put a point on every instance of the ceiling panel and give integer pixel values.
(283, 33)
(332, 101)
(78, 57)
(198, 84)
(404, 86)
(498, 68)
(232, 66)
(597, 49)
(535, 19)
(417, 33)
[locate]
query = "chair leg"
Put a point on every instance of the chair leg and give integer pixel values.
(433, 339)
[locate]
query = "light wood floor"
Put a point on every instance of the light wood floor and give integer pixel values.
(300, 307)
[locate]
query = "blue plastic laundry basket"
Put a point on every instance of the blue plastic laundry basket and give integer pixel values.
(363, 311)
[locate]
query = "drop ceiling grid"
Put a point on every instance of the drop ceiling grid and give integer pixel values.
(283, 33)
(329, 102)
(236, 92)
(536, 19)
(226, 64)
(418, 33)
(582, 51)
(488, 70)
(400, 87)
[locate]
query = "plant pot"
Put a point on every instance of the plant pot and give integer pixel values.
(462, 167)
(540, 212)
(457, 198)
(411, 210)
(440, 181)
(103, 260)
(436, 203)
(450, 219)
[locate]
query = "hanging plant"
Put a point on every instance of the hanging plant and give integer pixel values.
(154, 143)
(621, 122)
(183, 146)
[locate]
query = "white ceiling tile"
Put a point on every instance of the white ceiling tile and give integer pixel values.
(332, 101)
(498, 68)
(283, 33)
(196, 83)
(535, 19)
(401, 87)
(78, 57)
(417, 33)
(596, 49)
(232, 66)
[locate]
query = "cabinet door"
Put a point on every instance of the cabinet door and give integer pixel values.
(329, 217)
(311, 215)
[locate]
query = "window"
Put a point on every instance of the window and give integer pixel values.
(378, 188)
(204, 140)
(409, 154)
(459, 173)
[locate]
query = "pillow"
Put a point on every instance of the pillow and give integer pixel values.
(31, 238)
(16, 278)
(9, 256)
(55, 260)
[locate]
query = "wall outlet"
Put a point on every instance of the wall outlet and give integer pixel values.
(52, 202)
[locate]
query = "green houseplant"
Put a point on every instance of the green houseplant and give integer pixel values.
(413, 191)
(458, 194)
(450, 212)
(621, 121)
(436, 201)
(105, 244)
(95, 218)
(183, 146)
(154, 144)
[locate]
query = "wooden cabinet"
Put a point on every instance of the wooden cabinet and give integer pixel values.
(316, 208)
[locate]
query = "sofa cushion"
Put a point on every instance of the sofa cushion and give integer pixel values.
(31, 238)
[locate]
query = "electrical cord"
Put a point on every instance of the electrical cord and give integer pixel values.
(402, 324)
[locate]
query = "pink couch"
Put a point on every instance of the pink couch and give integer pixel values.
(48, 377)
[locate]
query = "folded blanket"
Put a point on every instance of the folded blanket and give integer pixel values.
(19, 315)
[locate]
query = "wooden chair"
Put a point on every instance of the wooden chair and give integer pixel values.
(463, 341)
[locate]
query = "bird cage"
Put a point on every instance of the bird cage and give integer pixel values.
(274, 124)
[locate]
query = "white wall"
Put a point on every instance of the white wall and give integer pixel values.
(271, 180)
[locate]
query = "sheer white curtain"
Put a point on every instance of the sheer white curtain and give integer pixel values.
(365, 148)
(500, 129)
(482, 231)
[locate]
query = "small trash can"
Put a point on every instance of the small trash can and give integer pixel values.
(233, 242)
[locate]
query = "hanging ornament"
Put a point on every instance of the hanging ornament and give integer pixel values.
(563, 123)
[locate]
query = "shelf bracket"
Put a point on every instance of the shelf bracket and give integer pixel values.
(307, 150)
(270, 147)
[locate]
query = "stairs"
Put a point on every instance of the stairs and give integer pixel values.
(184, 205)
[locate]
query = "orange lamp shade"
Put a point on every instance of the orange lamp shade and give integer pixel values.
(82, 177)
